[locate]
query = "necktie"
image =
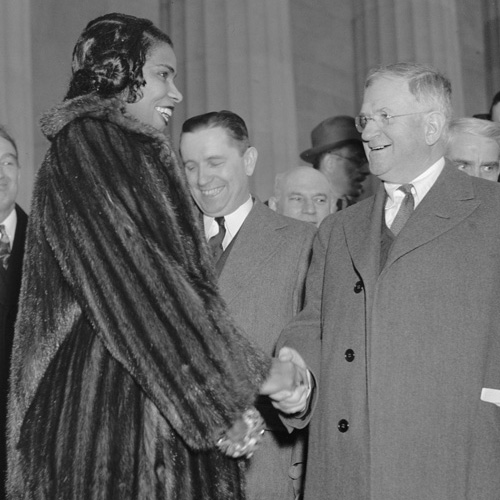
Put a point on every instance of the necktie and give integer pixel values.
(215, 242)
(405, 210)
(4, 247)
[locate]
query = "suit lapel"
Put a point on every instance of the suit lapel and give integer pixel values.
(448, 202)
(256, 242)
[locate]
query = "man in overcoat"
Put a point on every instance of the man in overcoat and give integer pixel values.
(261, 265)
(401, 326)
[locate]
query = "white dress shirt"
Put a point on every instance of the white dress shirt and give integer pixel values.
(232, 223)
(421, 186)
(10, 224)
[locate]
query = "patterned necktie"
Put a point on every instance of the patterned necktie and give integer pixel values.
(4, 247)
(215, 242)
(405, 210)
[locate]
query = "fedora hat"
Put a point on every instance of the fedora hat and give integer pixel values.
(330, 134)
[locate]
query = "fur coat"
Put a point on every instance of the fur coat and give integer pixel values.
(126, 367)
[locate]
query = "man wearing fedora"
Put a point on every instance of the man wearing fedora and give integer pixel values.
(337, 152)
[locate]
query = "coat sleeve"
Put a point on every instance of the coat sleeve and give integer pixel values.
(120, 225)
(304, 333)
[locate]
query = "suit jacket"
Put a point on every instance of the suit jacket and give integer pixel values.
(10, 284)
(262, 282)
(402, 353)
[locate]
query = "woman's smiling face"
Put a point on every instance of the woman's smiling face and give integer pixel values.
(159, 94)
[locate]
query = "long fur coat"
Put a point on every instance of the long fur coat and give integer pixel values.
(126, 367)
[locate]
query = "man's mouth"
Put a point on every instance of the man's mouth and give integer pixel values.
(165, 112)
(378, 148)
(211, 193)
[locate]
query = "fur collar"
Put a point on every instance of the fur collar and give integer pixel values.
(93, 106)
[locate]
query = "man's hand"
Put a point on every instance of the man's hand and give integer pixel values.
(287, 385)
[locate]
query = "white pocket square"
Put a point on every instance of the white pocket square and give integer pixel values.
(491, 396)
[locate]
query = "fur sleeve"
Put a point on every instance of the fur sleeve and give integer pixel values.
(121, 225)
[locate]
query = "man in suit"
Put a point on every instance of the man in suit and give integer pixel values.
(261, 259)
(303, 193)
(12, 229)
(474, 147)
(401, 326)
(337, 152)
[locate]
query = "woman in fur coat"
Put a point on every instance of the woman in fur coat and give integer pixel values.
(126, 367)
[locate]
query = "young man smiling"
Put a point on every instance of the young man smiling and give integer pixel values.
(261, 271)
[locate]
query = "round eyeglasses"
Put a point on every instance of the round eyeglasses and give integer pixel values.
(381, 119)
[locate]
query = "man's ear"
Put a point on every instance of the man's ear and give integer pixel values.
(250, 160)
(273, 203)
(434, 127)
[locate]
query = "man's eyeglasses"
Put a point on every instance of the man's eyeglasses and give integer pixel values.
(381, 119)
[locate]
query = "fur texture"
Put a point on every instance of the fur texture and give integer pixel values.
(126, 367)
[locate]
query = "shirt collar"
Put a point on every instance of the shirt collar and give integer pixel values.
(232, 221)
(421, 185)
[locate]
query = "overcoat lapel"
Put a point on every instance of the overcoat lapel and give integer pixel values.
(257, 241)
(362, 228)
(447, 203)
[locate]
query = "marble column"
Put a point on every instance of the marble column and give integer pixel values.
(236, 55)
(424, 31)
(492, 53)
(16, 101)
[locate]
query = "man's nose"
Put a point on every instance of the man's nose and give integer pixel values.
(371, 130)
(204, 176)
(476, 171)
(309, 207)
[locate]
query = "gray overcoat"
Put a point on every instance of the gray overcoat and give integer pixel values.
(402, 354)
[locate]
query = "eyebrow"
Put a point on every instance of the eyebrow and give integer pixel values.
(170, 68)
(484, 164)
(302, 194)
(8, 155)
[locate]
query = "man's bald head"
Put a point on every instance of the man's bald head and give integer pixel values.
(303, 193)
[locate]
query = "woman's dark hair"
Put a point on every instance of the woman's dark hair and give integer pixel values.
(109, 56)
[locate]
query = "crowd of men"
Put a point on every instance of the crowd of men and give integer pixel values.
(390, 306)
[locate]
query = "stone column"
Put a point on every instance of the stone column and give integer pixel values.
(236, 55)
(424, 31)
(16, 101)
(492, 51)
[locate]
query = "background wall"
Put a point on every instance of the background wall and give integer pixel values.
(283, 65)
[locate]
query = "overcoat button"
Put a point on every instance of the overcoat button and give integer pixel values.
(349, 355)
(343, 425)
(358, 287)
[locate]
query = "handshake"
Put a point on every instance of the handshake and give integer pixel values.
(288, 384)
(288, 388)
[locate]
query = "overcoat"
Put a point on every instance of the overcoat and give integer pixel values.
(263, 284)
(126, 366)
(401, 352)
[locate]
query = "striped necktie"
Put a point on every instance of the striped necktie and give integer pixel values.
(405, 210)
(215, 242)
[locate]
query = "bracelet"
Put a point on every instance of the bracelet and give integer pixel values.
(246, 442)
